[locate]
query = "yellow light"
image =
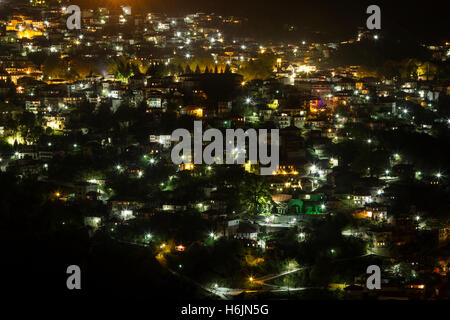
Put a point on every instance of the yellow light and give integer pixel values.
(17, 137)
(251, 279)
(306, 68)
(199, 112)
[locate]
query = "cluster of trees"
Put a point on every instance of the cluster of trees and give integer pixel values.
(392, 59)
(26, 127)
(7, 88)
(55, 67)
(259, 68)
(200, 61)
(407, 69)
(123, 68)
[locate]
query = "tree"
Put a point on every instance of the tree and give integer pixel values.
(121, 68)
(260, 68)
(255, 195)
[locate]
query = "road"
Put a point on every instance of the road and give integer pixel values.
(225, 293)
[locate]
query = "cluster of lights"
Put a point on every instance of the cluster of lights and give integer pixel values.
(213, 236)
